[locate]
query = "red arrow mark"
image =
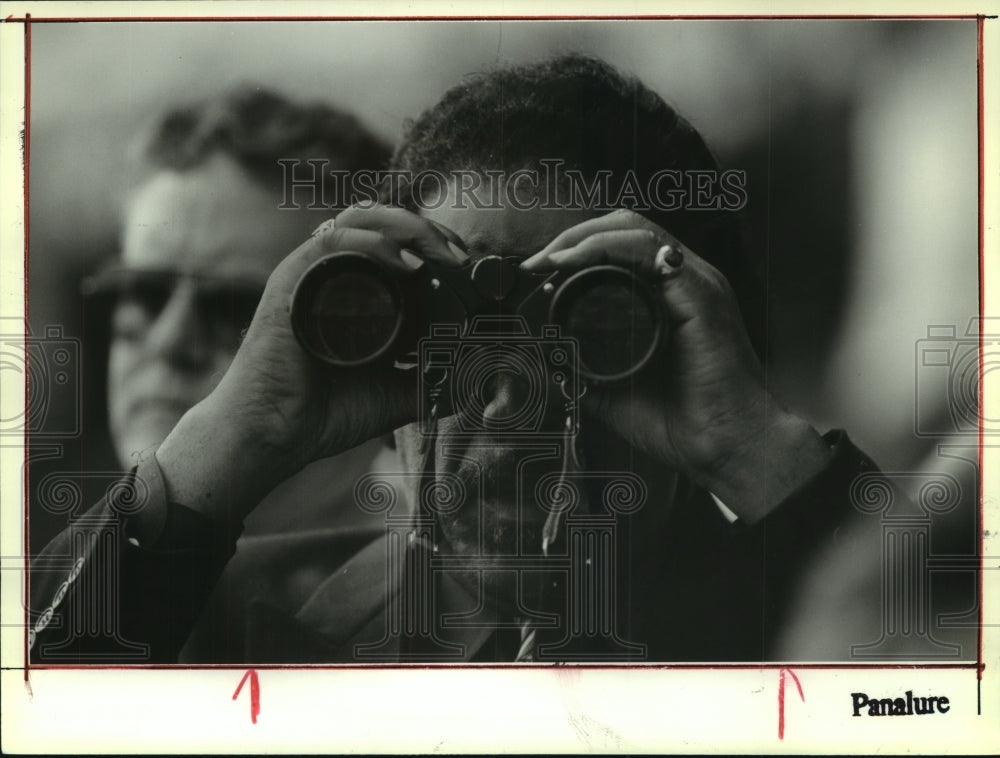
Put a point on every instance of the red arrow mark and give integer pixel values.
(781, 699)
(254, 693)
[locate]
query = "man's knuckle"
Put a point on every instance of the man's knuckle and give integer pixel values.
(721, 284)
(347, 215)
(384, 241)
(333, 239)
(596, 248)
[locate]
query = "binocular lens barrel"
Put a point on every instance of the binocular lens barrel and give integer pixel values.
(346, 311)
(614, 319)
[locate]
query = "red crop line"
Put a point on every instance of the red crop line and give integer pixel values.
(982, 308)
(610, 17)
(28, 19)
(27, 356)
(251, 674)
(781, 698)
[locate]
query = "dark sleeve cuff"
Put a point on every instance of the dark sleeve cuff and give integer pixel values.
(823, 502)
(126, 581)
(147, 524)
(161, 525)
(802, 526)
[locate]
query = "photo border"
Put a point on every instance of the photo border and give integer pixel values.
(552, 708)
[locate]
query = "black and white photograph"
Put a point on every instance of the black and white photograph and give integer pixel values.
(635, 359)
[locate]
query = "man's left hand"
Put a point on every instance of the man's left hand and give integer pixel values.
(707, 412)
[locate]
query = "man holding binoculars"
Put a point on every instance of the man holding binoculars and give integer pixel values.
(509, 348)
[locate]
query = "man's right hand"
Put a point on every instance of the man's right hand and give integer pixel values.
(277, 409)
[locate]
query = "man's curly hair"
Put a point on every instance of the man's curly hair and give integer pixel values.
(582, 111)
(257, 128)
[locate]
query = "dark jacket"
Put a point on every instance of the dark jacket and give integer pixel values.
(173, 586)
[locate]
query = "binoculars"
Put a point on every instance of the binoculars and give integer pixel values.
(348, 310)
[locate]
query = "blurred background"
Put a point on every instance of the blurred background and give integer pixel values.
(859, 139)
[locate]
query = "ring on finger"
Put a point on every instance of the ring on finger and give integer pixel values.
(668, 260)
(325, 227)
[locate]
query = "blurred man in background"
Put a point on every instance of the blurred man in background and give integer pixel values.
(211, 217)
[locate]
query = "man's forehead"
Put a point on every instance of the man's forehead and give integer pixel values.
(494, 226)
(211, 219)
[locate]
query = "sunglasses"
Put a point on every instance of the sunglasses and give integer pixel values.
(136, 297)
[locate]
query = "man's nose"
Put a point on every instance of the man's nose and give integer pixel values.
(177, 335)
(509, 393)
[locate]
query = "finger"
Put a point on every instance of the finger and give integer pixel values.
(450, 235)
(620, 219)
(374, 244)
(291, 268)
(287, 274)
(643, 251)
(407, 230)
(633, 249)
(690, 285)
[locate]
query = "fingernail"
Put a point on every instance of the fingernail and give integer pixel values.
(533, 262)
(538, 263)
(458, 252)
(410, 259)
